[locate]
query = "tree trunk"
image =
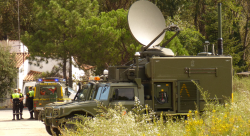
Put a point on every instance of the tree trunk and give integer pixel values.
(245, 39)
(202, 19)
(64, 70)
(70, 72)
(196, 14)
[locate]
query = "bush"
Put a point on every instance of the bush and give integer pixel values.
(231, 118)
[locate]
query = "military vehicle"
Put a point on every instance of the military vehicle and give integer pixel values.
(161, 80)
(48, 90)
(83, 98)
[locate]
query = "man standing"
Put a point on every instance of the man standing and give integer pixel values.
(30, 97)
(15, 96)
(20, 103)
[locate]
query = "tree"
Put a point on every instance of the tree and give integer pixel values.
(231, 16)
(109, 5)
(8, 71)
(9, 18)
(105, 40)
(56, 23)
(245, 4)
(170, 8)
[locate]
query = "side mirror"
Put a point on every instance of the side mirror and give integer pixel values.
(68, 93)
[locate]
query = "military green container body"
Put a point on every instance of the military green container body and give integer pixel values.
(213, 74)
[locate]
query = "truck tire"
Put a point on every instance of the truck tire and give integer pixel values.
(56, 131)
(48, 130)
(36, 114)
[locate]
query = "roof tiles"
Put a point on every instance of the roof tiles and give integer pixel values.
(20, 57)
(30, 76)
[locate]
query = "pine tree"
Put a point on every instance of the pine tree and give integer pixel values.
(8, 71)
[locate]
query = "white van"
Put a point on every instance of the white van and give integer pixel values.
(25, 89)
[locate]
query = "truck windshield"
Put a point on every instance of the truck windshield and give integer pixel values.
(102, 93)
(81, 96)
(48, 90)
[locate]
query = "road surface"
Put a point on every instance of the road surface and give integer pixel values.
(22, 127)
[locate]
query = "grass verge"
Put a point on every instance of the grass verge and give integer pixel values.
(231, 118)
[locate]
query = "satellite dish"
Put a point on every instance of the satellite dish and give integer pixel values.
(146, 22)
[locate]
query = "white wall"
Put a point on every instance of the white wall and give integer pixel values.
(22, 72)
(43, 67)
(16, 46)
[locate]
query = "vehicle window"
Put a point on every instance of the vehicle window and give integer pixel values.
(92, 93)
(124, 94)
(48, 90)
(102, 93)
(82, 94)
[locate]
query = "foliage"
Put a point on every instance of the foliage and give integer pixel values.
(109, 5)
(9, 18)
(8, 71)
(55, 72)
(170, 8)
(232, 118)
(56, 23)
(96, 32)
(105, 40)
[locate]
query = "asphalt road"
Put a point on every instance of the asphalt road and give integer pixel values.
(22, 127)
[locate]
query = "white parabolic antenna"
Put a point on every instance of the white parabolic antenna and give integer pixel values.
(146, 22)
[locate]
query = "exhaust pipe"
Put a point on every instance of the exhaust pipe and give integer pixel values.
(220, 40)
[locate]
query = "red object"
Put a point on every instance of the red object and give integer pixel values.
(42, 92)
(52, 90)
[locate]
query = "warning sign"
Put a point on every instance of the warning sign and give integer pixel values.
(184, 87)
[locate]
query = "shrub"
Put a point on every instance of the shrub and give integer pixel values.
(231, 118)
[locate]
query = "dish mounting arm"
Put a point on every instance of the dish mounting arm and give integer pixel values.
(169, 28)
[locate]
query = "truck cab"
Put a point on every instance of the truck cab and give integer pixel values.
(55, 114)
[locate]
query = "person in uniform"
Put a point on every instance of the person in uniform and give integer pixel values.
(30, 97)
(15, 100)
(20, 103)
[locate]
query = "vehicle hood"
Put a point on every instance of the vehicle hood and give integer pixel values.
(68, 104)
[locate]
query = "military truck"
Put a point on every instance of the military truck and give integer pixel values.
(48, 90)
(161, 80)
(84, 97)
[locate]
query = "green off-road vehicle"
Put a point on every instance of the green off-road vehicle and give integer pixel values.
(56, 114)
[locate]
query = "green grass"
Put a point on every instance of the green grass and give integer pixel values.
(231, 118)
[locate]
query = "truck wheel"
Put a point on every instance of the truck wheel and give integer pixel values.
(56, 131)
(48, 129)
(36, 114)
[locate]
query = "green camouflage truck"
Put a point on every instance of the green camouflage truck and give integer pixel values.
(163, 83)
(161, 80)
